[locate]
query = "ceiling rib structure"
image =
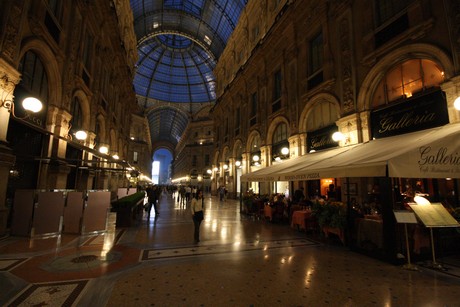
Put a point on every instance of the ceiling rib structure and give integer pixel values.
(179, 43)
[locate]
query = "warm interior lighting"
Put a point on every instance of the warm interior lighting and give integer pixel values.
(278, 158)
(421, 200)
(81, 135)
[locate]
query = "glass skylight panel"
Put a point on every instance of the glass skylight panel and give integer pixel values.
(174, 68)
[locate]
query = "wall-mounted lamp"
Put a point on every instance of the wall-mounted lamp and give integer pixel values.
(209, 171)
(116, 157)
(339, 136)
(81, 135)
(255, 158)
(238, 163)
(225, 166)
(103, 149)
(30, 104)
(285, 151)
(216, 169)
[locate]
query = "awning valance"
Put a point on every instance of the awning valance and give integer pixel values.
(431, 153)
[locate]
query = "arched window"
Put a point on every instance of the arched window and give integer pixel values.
(77, 116)
(324, 114)
(280, 142)
(34, 79)
(255, 150)
(406, 79)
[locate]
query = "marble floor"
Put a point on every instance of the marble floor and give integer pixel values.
(240, 261)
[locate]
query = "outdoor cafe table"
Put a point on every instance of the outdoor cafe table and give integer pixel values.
(299, 219)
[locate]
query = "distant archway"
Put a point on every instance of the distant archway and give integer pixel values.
(162, 158)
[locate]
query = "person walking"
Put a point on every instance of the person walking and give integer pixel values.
(153, 195)
(197, 208)
(221, 193)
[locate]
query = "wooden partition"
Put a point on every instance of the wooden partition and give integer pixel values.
(95, 214)
(48, 213)
(73, 212)
(23, 208)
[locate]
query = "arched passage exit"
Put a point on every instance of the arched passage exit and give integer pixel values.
(161, 168)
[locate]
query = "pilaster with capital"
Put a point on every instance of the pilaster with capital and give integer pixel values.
(9, 77)
(364, 120)
(294, 146)
(265, 155)
(54, 173)
(349, 126)
(452, 90)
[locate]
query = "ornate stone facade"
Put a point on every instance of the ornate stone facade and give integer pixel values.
(82, 50)
(331, 55)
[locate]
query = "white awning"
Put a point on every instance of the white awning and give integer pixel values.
(273, 172)
(431, 153)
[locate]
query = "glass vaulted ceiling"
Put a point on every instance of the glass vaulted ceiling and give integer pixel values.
(179, 43)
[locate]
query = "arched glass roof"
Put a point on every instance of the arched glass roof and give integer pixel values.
(174, 69)
(179, 43)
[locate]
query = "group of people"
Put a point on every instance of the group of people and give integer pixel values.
(186, 195)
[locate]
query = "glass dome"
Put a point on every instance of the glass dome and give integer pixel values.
(179, 43)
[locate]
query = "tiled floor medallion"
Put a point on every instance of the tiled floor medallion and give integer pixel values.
(85, 260)
(50, 294)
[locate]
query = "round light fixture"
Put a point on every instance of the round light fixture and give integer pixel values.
(32, 104)
(457, 103)
(338, 136)
(255, 158)
(209, 171)
(225, 166)
(284, 151)
(237, 163)
(81, 135)
(103, 150)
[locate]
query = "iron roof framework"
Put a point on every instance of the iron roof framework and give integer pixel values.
(179, 43)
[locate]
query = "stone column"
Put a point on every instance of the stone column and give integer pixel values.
(54, 174)
(452, 90)
(294, 146)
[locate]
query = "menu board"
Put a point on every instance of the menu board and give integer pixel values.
(434, 215)
(405, 217)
